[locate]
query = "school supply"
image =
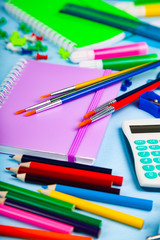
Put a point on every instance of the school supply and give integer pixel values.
(123, 100)
(27, 177)
(93, 87)
(142, 2)
(34, 196)
(150, 102)
(90, 82)
(150, 10)
(28, 158)
(65, 213)
(65, 31)
(143, 137)
(78, 226)
(78, 175)
(34, 234)
(119, 63)
(34, 219)
(42, 137)
(137, 27)
(110, 190)
(91, 195)
(134, 49)
(97, 209)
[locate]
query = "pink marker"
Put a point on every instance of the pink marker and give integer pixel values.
(34, 219)
(135, 49)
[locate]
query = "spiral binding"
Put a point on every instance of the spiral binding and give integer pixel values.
(11, 79)
(41, 28)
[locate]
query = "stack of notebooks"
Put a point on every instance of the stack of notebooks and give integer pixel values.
(54, 133)
(69, 32)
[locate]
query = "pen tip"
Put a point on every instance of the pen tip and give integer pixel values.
(20, 111)
(84, 123)
(30, 113)
(88, 114)
(44, 96)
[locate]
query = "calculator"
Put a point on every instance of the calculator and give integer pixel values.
(144, 138)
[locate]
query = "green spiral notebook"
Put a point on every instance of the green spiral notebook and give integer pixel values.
(67, 31)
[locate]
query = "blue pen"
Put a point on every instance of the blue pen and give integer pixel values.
(94, 87)
(104, 197)
(134, 26)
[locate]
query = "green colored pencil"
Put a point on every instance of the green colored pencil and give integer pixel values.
(47, 207)
(25, 193)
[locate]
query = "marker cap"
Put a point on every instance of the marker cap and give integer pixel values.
(92, 64)
(79, 56)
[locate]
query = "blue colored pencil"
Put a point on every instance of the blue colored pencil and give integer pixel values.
(110, 198)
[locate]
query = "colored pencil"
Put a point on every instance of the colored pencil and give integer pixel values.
(94, 88)
(122, 103)
(48, 170)
(34, 219)
(87, 83)
(138, 203)
(26, 177)
(97, 209)
(56, 210)
(152, 85)
(78, 226)
(34, 234)
(28, 158)
(34, 196)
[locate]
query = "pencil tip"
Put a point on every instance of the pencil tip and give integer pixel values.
(8, 168)
(44, 186)
(14, 175)
(39, 191)
(11, 156)
(44, 96)
(84, 123)
(87, 115)
(30, 113)
(20, 111)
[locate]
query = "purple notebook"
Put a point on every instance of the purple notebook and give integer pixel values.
(53, 133)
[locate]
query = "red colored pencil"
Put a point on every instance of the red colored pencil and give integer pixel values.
(35, 234)
(79, 175)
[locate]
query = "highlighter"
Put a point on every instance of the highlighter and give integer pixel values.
(119, 63)
(135, 49)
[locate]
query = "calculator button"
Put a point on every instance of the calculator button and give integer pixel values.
(156, 153)
(154, 147)
(148, 167)
(139, 142)
(141, 148)
(158, 167)
(152, 141)
(151, 175)
(156, 160)
(144, 154)
(146, 160)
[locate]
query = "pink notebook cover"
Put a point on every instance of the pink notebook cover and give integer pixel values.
(51, 133)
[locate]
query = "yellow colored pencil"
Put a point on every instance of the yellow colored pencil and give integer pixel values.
(96, 209)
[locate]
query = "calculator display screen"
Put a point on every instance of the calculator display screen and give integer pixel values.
(145, 128)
